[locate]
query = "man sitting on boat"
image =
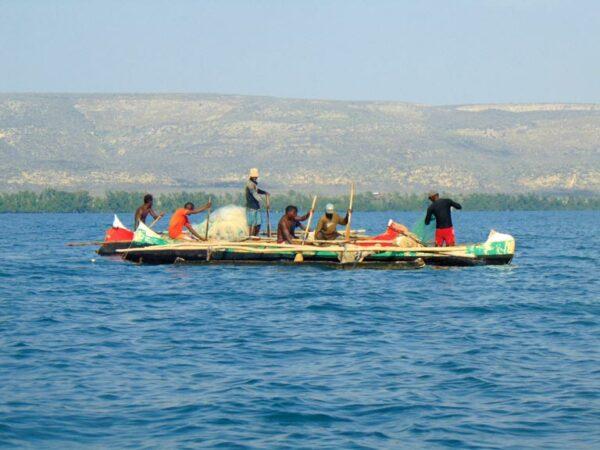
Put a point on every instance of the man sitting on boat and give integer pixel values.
(142, 212)
(440, 209)
(327, 226)
(288, 223)
(252, 194)
(180, 219)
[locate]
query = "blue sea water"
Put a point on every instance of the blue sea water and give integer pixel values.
(97, 352)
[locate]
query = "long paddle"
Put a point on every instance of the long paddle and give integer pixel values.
(155, 221)
(268, 216)
(310, 216)
(207, 219)
(350, 212)
(84, 244)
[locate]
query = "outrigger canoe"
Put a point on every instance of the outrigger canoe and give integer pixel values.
(498, 249)
(395, 248)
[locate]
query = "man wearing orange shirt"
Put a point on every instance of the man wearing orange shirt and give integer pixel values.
(180, 219)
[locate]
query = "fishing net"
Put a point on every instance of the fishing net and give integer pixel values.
(227, 223)
(144, 235)
(399, 234)
(426, 233)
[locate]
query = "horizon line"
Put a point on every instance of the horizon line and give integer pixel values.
(265, 96)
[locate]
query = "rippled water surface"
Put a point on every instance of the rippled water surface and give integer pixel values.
(103, 353)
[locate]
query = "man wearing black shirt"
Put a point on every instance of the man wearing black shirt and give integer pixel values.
(440, 209)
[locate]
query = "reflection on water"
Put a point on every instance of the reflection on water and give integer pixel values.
(113, 354)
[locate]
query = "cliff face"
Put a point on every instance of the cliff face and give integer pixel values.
(174, 142)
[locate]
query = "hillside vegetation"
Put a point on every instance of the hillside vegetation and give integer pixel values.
(175, 142)
(50, 200)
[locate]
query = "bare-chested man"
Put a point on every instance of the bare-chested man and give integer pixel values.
(142, 212)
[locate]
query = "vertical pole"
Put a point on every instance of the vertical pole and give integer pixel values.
(207, 219)
(268, 216)
(312, 211)
(350, 212)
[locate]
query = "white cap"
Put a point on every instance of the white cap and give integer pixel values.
(253, 173)
(329, 208)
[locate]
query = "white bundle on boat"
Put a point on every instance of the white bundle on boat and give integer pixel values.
(118, 224)
(146, 236)
(227, 223)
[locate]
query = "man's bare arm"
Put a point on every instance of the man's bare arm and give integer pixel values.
(194, 233)
(155, 215)
(202, 208)
(137, 218)
(287, 236)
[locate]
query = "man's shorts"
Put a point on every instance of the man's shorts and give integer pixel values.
(253, 217)
(444, 235)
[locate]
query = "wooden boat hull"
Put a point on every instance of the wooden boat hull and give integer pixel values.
(233, 257)
(110, 248)
(357, 258)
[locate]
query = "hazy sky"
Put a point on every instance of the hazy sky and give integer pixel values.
(438, 52)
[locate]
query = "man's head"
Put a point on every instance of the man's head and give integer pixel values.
(253, 175)
(189, 206)
(291, 211)
(329, 209)
(148, 199)
(433, 195)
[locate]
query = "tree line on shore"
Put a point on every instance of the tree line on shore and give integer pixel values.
(51, 200)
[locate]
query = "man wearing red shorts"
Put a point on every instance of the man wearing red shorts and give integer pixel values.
(440, 209)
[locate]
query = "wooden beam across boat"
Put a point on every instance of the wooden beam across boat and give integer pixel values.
(264, 247)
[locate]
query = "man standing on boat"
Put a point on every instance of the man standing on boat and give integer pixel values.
(327, 226)
(288, 223)
(142, 212)
(440, 208)
(180, 219)
(252, 194)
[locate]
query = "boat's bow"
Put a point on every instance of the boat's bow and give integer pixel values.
(499, 248)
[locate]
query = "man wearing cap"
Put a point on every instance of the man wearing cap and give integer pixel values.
(440, 209)
(327, 226)
(253, 199)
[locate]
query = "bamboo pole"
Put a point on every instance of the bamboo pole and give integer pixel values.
(208, 219)
(347, 237)
(155, 221)
(268, 201)
(300, 250)
(273, 247)
(310, 216)
(84, 244)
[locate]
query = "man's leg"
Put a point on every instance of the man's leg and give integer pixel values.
(251, 217)
(444, 236)
(258, 221)
(450, 239)
(439, 237)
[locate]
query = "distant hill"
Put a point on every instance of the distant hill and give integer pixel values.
(196, 141)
